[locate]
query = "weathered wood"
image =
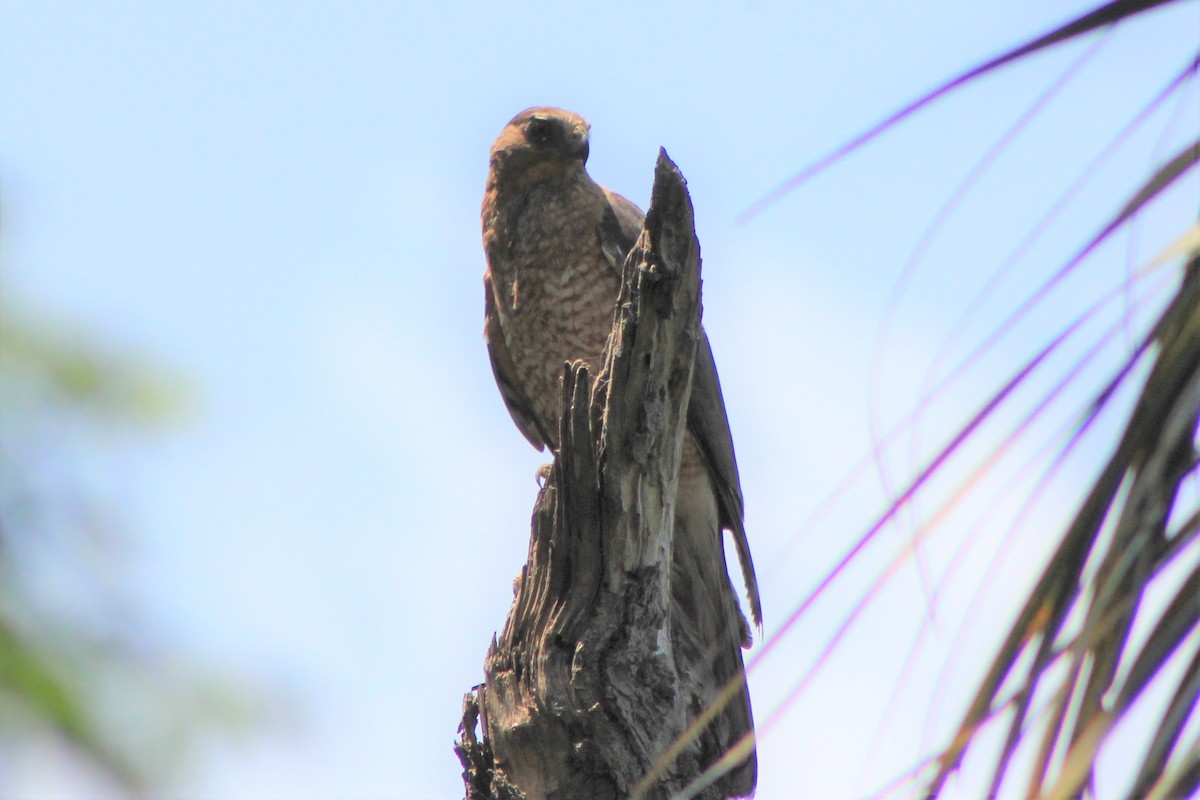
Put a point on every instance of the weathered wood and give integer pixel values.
(582, 693)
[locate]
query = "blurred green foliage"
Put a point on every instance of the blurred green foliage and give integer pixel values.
(48, 368)
(80, 672)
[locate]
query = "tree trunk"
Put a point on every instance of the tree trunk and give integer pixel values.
(582, 693)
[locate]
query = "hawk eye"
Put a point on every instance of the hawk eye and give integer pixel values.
(540, 130)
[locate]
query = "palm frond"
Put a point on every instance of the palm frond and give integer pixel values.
(1108, 14)
(1135, 495)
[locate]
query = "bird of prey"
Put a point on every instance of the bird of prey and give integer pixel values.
(555, 243)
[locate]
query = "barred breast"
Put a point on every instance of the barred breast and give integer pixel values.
(558, 293)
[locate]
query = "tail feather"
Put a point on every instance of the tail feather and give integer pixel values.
(708, 633)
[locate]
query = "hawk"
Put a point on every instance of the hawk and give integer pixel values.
(555, 243)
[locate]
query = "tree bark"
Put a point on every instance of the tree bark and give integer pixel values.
(582, 693)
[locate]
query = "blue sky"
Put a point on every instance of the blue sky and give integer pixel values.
(279, 201)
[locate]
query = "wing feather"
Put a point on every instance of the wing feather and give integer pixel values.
(516, 401)
(709, 424)
(619, 229)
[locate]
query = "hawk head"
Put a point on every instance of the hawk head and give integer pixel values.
(541, 143)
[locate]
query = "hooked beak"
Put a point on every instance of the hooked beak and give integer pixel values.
(579, 142)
